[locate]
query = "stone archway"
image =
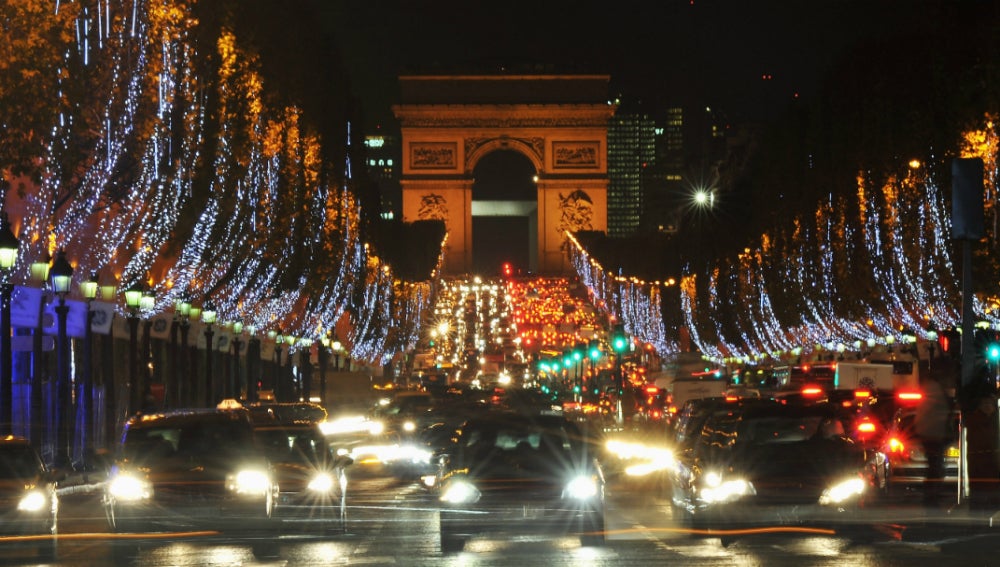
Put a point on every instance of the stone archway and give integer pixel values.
(558, 122)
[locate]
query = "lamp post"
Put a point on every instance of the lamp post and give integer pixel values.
(305, 366)
(336, 354)
(85, 404)
(146, 304)
(253, 362)
(133, 296)
(109, 378)
(279, 340)
(9, 245)
(61, 275)
(39, 275)
(194, 385)
(208, 318)
(233, 386)
(180, 324)
(324, 360)
(290, 388)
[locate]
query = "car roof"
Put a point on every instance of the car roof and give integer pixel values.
(183, 416)
(13, 441)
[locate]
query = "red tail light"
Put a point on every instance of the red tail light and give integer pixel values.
(866, 427)
(732, 398)
(910, 397)
(862, 394)
(812, 391)
(896, 446)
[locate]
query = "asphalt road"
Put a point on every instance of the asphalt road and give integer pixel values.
(392, 522)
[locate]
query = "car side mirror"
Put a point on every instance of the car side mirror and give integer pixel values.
(343, 461)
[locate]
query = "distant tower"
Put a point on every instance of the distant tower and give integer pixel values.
(631, 149)
(383, 157)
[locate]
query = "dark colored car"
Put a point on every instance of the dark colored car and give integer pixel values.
(516, 473)
(191, 470)
(907, 461)
(312, 479)
(287, 412)
(29, 505)
(764, 463)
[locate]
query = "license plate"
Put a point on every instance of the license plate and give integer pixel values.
(952, 452)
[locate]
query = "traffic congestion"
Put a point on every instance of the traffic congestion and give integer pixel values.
(524, 410)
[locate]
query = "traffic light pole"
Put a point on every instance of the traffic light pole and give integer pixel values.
(620, 378)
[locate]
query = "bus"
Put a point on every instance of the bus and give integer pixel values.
(796, 376)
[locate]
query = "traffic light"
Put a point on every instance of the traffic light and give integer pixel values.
(578, 352)
(993, 352)
(594, 350)
(508, 270)
(619, 342)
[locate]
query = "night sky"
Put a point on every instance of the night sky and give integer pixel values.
(712, 52)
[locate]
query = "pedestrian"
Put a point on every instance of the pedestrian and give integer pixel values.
(932, 427)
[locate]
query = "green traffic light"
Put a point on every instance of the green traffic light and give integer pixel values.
(619, 343)
(993, 352)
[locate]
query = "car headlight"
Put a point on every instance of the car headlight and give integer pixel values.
(321, 482)
(32, 501)
(376, 428)
(129, 487)
(716, 489)
(250, 482)
(843, 491)
(409, 426)
(582, 488)
(460, 492)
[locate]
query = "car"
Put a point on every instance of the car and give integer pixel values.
(191, 469)
(511, 472)
(30, 504)
(311, 477)
(767, 462)
(264, 412)
(907, 461)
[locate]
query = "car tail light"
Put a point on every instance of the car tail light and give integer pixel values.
(812, 391)
(896, 447)
(862, 394)
(866, 427)
(909, 396)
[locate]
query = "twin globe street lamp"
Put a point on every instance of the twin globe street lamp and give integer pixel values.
(9, 245)
(61, 276)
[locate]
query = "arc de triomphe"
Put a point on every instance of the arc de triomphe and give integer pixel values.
(558, 122)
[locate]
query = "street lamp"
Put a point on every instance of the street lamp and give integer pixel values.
(279, 340)
(108, 377)
(182, 310)
(133, 297)
(9, 245)
(88, 289)
(290, 388)
(194, 314)
(323, 355)
(61, 275)
(39, 275)
(146, 304)
(253, 362)
(336, 354)
(233, 388)
(208, 318)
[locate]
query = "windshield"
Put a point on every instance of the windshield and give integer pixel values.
(18, 462)
(217, 441)
(291, 446)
